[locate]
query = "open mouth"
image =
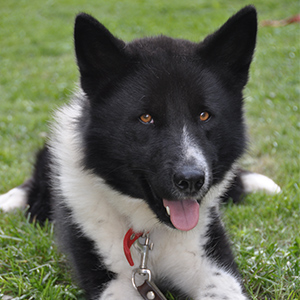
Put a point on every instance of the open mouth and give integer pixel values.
(184, 214)
(181, 213)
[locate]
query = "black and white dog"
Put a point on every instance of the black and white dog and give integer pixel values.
(148, 144)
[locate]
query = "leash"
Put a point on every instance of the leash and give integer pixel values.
(148, 290)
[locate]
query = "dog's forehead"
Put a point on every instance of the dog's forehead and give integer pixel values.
(168, 86)
(161, 47)
(166, 63)
(168, 77)
(174, 80)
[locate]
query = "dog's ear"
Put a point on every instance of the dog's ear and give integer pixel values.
(230, 49)
(100, 55)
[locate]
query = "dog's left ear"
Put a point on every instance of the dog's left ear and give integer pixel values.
(230, 49)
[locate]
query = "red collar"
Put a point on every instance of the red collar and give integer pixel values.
(129, 238)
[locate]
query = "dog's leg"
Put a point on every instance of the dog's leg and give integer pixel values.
(254, 182)
(35, 192)
(246, 182)
(219, 284)
(93, 275)
(15, 198)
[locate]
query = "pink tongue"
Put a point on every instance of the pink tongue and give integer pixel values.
(184, 213)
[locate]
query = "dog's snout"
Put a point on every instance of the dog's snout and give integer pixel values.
(189, 180)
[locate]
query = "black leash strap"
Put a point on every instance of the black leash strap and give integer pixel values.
(149, 291)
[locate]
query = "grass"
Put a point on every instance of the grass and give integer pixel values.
(38, 74)
(31, 265)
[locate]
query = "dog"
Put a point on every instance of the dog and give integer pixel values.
(143, 155)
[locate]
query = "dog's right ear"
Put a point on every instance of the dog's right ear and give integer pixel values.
(100, 55)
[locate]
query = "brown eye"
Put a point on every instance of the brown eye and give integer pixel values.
(146, 118)
(204, 116)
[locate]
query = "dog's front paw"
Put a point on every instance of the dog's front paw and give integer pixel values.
(213, 294)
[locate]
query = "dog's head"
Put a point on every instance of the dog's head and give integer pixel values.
(164, 118)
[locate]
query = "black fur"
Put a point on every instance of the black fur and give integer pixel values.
(218, 247)
(39, 193)
(88, 267)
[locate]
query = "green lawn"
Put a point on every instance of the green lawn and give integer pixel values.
(38, 73)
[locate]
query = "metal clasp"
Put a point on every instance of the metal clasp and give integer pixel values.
(144, 250)
(148, 290)
(143, 272)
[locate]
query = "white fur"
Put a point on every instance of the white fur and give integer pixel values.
(193, 154)
(104, 215)
(13, 199)
(254, 182)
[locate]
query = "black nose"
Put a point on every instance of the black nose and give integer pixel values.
(189, 180)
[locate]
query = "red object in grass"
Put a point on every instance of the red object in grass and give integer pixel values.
(279, 23)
